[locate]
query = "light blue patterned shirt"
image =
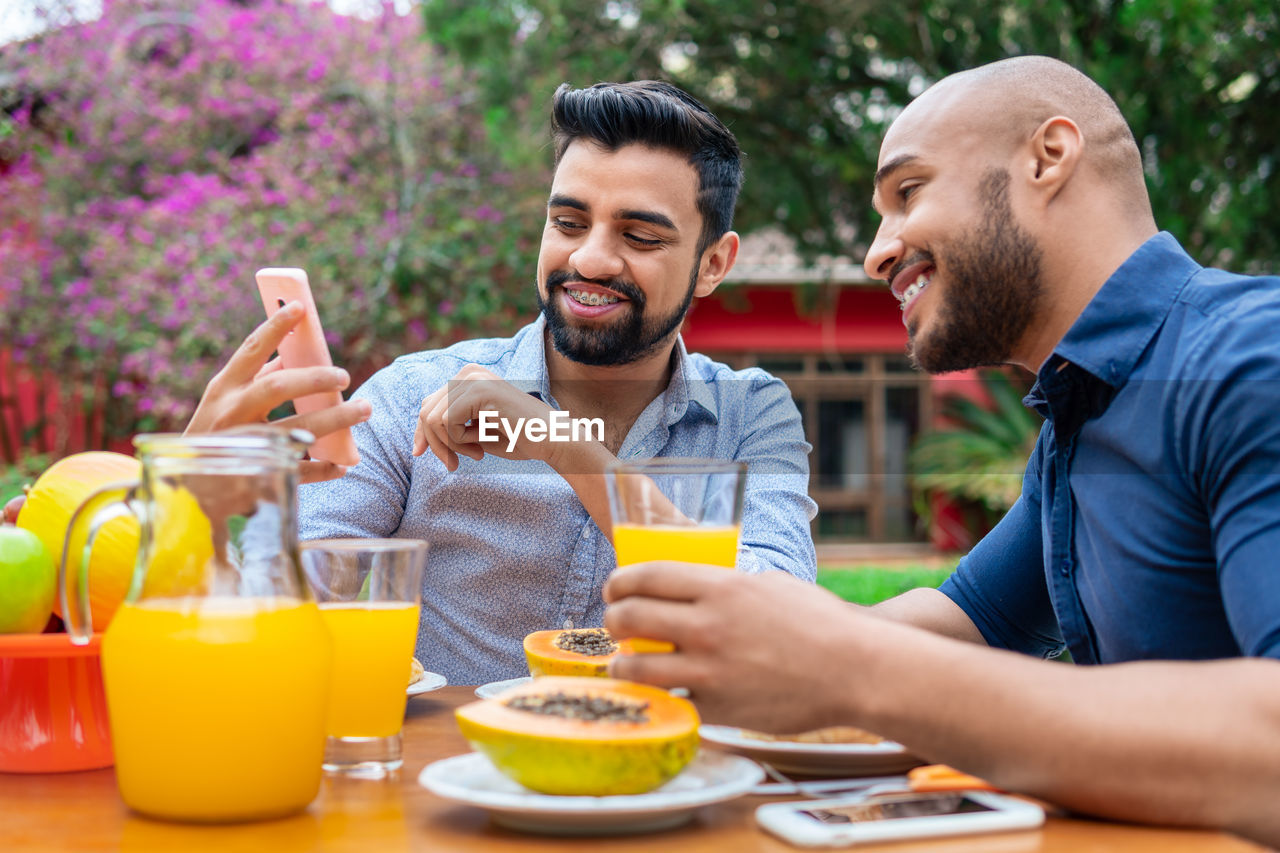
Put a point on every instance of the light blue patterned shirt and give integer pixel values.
(512, 549)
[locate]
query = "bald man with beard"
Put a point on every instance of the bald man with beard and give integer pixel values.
(1017, 230)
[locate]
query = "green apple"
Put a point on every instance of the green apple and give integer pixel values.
(28, 582)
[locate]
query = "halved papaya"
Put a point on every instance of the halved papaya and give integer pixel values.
(573, 651)
(579, 736)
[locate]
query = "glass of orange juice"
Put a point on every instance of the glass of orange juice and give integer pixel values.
(688, 510)
(369, 592)
(682, 509)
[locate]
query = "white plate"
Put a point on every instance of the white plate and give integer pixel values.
(493, 688)
(815, 759)
(428, 682)
(711, 777)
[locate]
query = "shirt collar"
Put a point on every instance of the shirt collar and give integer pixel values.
(529, 366)
(687, 386)
(528, 369)
(1115, 327)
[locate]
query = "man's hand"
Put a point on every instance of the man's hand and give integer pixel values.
(760, 651)
(1132, 741)
(249, 386)
(448, 421)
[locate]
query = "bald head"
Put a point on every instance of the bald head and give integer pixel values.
(1006, 101)
(1008, 195)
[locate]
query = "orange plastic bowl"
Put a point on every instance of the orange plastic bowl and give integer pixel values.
(53, 711)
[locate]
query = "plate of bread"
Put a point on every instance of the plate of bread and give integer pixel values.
(834, 751)
(421, 681)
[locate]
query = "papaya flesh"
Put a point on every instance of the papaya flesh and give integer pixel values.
(558, 652)
(584, 737)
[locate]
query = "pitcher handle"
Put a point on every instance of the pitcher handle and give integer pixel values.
(102, 506)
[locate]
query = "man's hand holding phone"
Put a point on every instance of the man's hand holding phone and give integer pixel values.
(252, 384)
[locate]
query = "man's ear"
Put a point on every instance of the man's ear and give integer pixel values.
(1056, 149)
(717, 260)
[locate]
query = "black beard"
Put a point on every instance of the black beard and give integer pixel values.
(993, 289)
(626, 340)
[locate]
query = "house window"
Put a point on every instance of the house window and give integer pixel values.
(861, 413)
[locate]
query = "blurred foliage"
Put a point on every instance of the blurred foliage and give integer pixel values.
(980, 457)
(809, 88)
(15, 479)
(153, 159)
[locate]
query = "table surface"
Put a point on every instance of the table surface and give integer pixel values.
(83, 811)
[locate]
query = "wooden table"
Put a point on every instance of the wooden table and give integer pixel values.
(83, 811)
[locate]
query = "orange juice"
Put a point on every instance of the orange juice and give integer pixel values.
(217, 705)
(372, 645)
(640, 543)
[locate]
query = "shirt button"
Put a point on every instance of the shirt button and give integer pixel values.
(586, 533)
(1066, 568)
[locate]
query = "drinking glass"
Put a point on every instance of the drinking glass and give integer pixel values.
(688, 510)
(369, 592)
(682, 509)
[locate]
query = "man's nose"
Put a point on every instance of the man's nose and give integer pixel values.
(886, 250)
(597, 256)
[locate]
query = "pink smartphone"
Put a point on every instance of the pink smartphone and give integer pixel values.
(304, 346)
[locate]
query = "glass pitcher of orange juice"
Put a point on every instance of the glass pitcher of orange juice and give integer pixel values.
(217, 665)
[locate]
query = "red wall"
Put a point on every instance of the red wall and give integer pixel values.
(789, 319)
(19, 409)
(38, 416)
(786, 318)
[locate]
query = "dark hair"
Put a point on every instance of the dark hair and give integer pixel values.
(655, 113)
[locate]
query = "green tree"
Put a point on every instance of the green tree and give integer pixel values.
(809, 87)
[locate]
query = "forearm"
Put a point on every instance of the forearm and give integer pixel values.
(582, 465)
(1177, 743)
(931, 610)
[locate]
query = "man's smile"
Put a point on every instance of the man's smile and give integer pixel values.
(590, 300)
(592, 295)
(910, 283)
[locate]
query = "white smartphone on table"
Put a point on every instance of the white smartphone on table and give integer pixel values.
(305, 346)
(848, 821)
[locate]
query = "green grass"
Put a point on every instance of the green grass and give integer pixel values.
(869, 584)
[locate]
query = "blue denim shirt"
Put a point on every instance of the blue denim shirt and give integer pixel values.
(1149, 521)
(512, 549)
